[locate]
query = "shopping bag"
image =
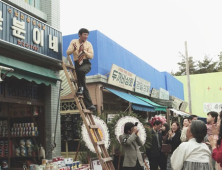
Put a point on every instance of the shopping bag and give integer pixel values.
(166, 148)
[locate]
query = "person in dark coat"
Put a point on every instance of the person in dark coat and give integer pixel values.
(154, 153)
(173, 138)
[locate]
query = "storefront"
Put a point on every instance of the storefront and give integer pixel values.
(29, 95)
(120, 82)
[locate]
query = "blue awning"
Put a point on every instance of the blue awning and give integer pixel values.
(137, 104)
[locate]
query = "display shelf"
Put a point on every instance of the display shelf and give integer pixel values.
(25, 115)
(3, 137)
(24, 157)
(3, 117)
(17, 117)
(24, 136)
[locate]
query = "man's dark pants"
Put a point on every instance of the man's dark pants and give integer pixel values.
(81, 71)
(158, 161)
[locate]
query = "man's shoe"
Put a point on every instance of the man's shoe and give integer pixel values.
(92, 108)
(80, 91)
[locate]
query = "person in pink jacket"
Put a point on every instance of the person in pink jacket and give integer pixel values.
(216, 142)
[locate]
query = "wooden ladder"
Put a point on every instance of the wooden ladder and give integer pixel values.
(104, 158)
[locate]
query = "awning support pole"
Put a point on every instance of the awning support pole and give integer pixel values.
(130, 108)
(168, 116)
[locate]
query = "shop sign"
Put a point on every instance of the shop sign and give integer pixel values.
(183, 106)
(155, 93)
(121, 78)
(176, 103)
(207, 107)
(164, 94)
(142, 86)
(27, 32)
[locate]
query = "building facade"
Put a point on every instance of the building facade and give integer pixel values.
(206, 90)
(31, 44)
(118, 78)
(47, 11)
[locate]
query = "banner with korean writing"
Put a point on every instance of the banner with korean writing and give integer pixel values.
(26, 32)
(176, 103)
(207, 107)
(121, 78)
(142, 86)
(183, 106)
(164, 94)
(155, 93)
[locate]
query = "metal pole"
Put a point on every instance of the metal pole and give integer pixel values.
(7, 71)
(6, 68)
(188, 78)
(57, 114)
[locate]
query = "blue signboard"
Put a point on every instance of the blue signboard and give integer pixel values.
(27, 32)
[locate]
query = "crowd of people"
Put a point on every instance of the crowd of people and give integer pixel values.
(195, 146)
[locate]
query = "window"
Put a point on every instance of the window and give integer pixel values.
(37, 4)
(34, 3)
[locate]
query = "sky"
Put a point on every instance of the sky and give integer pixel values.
(154, 31)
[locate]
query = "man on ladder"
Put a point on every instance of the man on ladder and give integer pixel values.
(82, 51)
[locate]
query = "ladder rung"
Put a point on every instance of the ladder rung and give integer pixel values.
(100, 143)
(107, 159)
(93, 126)
(73, 80)
(86, 111)
(70, 73)
(70, 67)
(80, 96)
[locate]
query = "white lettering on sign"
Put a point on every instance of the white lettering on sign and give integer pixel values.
(18, 28)
(121, 78)
(155, 93)
(1, 19)
(164, 94)
(142, 86)
(38, 36)
(53, 43)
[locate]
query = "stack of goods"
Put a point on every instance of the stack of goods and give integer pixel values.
(21, 112)
(24, 129)
(4, 148)
(59, 163)
(3, 128)
(25, 149)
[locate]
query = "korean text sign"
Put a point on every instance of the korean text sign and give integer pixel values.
(155, 93)
(142, 86)
(164, 94)
(27, 32)
(207, 107)
(121, 78)
(183, 106)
